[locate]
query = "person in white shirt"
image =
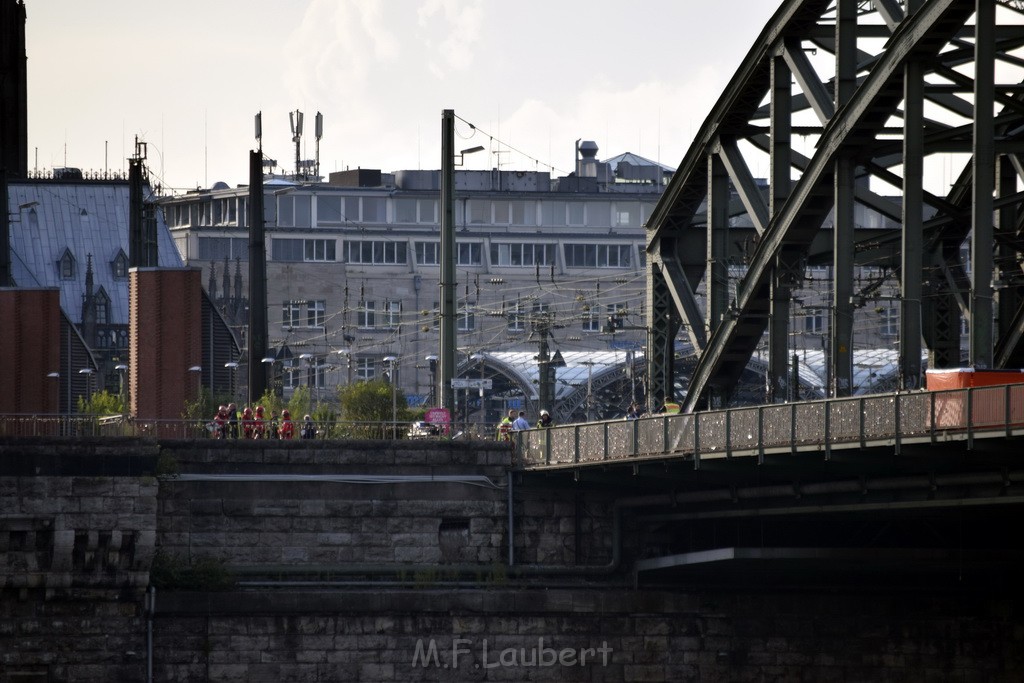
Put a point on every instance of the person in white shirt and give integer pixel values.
(520, 423)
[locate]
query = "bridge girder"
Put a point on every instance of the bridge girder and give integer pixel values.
(909, 80)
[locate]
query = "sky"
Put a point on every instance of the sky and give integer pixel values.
(187, 77)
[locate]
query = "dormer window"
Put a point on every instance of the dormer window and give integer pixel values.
(102, 307)
(66, 265)
(120, 265)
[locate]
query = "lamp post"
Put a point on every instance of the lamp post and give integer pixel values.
(480, 358)
(448, 257)
(122, 386)
(307, 358)
(55, 376)
(392, 362)
(268, 362)
(233, 366)
(88, 372)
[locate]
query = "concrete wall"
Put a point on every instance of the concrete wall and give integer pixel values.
(346, 581)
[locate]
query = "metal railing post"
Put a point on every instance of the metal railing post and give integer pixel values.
(696, 441)
(897, 422)
(576, 444)
(970, 419)
(931, 421)
(760, 435)
(604, 433)
(828, 430)
(792, 428)
(728, 434)
(860, 409)
(1006, 408)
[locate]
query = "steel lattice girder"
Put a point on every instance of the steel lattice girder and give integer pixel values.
(935, 39)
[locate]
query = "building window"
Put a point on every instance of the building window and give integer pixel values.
(374, 210)
(392, 313)
(366, 314)
(120, 265)
(890, 320)
(519, 214)
(469, 254)
(290, 374)
(576, 213)
(291, 313)
(598, 215)
(67, 266)
(514, 314)
(466, 318)
(511, 254)
(598, 255)
(479, 211)
(627, 214)
(366, 369)
(294, 211)
(316, 313)
(553, 213)
(814, 323)
(330, 210)
(375, 252)
(102, 302)
(219, 248)
(591, 321)
(428, 253)
(409, 210)
(303, 250)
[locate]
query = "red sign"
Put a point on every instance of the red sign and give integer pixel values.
(438, 416)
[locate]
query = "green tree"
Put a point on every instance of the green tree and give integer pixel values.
(300, 402)
(367, 407)
(101, 403)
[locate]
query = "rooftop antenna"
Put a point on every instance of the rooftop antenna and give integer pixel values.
(259, 130)
(295, 117)
(319, 134)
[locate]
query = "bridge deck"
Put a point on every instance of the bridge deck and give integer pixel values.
(893, 421)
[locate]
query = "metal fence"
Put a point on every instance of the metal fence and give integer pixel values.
(74, 426)
(801, 426)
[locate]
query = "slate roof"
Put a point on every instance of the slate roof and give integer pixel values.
(84, 217)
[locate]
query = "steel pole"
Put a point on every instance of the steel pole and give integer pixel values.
(446, 355)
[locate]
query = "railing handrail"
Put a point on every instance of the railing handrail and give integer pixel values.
(871, 418)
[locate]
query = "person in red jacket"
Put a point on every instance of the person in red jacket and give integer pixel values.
(247, 423)
(259, 424)
(287, 426)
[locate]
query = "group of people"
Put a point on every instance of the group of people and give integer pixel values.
(517, 422)
(228, 423)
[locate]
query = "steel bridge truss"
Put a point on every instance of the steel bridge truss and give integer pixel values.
(851, 103)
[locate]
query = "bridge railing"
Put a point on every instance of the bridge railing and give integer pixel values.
(799, 426)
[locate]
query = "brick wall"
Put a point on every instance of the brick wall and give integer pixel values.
(30, 319)
(165, 336)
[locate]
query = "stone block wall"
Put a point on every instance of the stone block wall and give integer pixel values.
(559, 634)
(77, 537)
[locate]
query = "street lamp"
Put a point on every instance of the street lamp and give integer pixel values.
(307, 358)
(88, 372)
(233, 366)
(122, 369)
(392, 362)
(448, 257)
(197, 370)
(480, 358)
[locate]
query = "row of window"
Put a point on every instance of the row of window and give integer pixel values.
(384, 252)
(67, 265)
(313, 313)
(305, 211)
